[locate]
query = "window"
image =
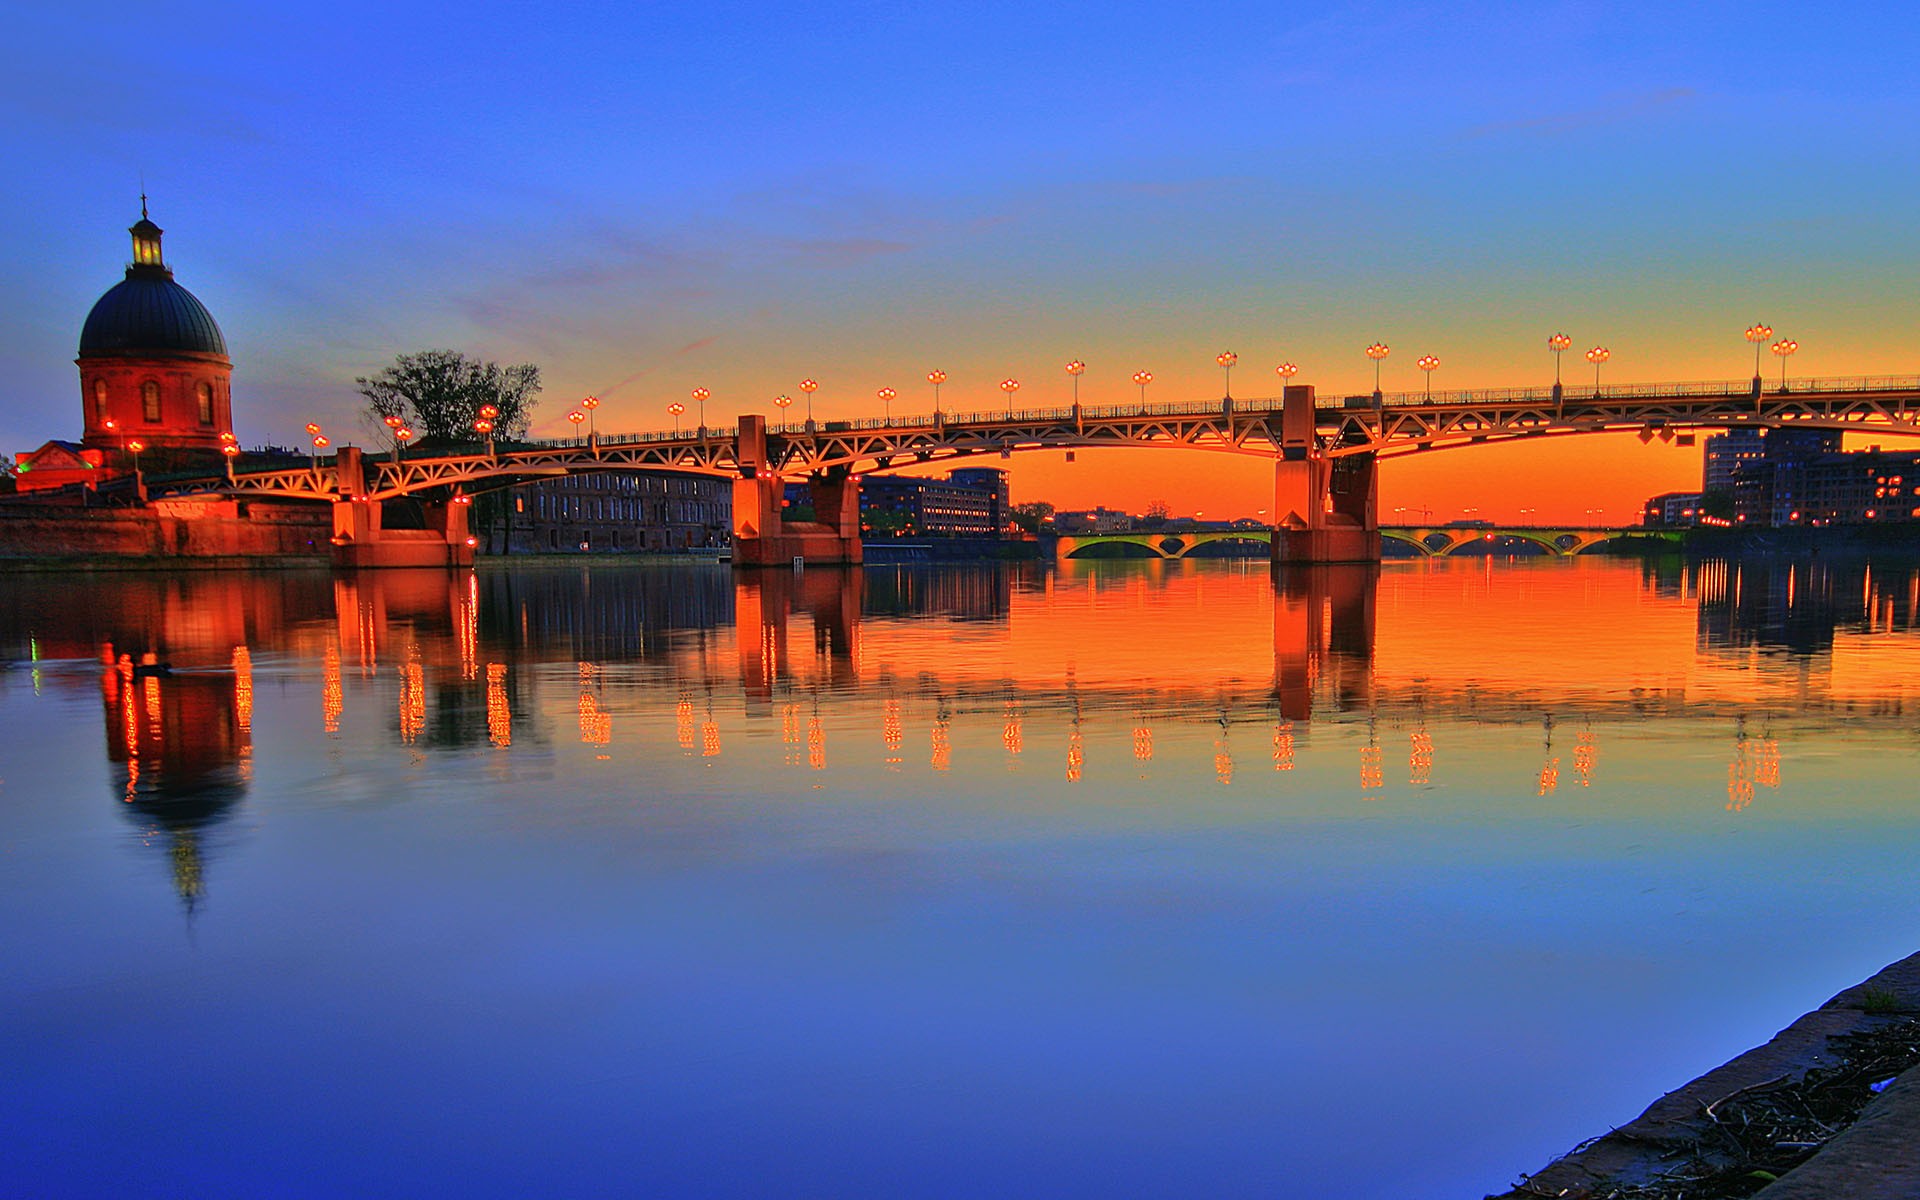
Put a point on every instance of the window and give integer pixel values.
(203, 395)
(99, 401)
(150, 400)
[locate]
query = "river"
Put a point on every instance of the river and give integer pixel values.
(1116, 879)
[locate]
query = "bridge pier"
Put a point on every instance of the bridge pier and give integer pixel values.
(1326, 510)
(361, 542)
(763, 537)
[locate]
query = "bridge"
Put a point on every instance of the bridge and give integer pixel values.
(1326, 453)
(1430, 541)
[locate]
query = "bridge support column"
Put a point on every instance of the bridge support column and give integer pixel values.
(762, 537)
(360, 541)
(1326, 510)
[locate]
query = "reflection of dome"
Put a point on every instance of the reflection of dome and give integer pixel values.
(147, 312)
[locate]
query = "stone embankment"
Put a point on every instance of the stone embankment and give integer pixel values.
(1700, 1141)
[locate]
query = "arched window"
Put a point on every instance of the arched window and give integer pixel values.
(99, 401)
(204, 395)
(150, 400)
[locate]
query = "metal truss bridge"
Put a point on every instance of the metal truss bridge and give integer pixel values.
(1380, 426)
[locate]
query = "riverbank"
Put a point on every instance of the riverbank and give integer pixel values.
(1829, 1107)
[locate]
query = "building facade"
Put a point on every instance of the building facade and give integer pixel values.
(608, 512)
(1672, 508)
(967, 503)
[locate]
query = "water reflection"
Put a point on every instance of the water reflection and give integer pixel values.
(179, 746)
(1057, 657)
(940, 849)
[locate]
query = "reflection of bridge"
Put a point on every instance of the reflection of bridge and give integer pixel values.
(1325, 454)
(1431, 541)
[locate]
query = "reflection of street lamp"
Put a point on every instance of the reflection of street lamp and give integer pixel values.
(1009, 386)
(1376, 352)
(1143, 378)
(590, 403)
(1596, 356)
(1226, 359)
(1075, 369)
(1781, 349)
(1757, 333)
(936, 378)
(886, 403)
(677, 409)
(809, 387)
(783, 402)
(1558, 344)
(700, 397)
(1429, 364)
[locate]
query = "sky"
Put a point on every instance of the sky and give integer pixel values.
(645, 199)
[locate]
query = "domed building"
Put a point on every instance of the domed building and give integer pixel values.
(153, 365)
(154, 377)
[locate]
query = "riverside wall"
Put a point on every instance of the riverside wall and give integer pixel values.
(198, 531)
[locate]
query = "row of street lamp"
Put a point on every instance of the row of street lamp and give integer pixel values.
(1558, 344)
(1227, 360)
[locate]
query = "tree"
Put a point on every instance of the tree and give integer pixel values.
(440, 392)
(1717, 503)
(1031, 515)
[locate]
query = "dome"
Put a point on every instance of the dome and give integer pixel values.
(148, 312)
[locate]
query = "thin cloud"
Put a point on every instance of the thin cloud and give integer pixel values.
(842, 252)
(1623, 109)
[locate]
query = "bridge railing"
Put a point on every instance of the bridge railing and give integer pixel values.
(1572, 394)
(1576, 394)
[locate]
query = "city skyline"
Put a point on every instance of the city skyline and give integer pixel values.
(741, 200)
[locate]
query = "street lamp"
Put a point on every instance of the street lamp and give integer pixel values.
(1009, 386)
(139, 483)
(1226, 359)
(393, 425)
(403, 436)
(1143, 378)
(231, 449)
(936, 378)
(484, 428)
(700, 397)
(313, 431)
(1757, 333)
(576, 416)
(677, 409)
(1286, 371)
(783, 402)
(1376, 352)
(1558, 344)
(320, 442)
(1075, 369)
(1429, 364)
(1596, 356)
(886, 403)
(1781, 349)
(590, 403)
(809, 387)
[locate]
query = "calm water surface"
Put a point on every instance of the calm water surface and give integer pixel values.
(1116, 879)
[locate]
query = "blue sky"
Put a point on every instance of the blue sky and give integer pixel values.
(644, 199)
